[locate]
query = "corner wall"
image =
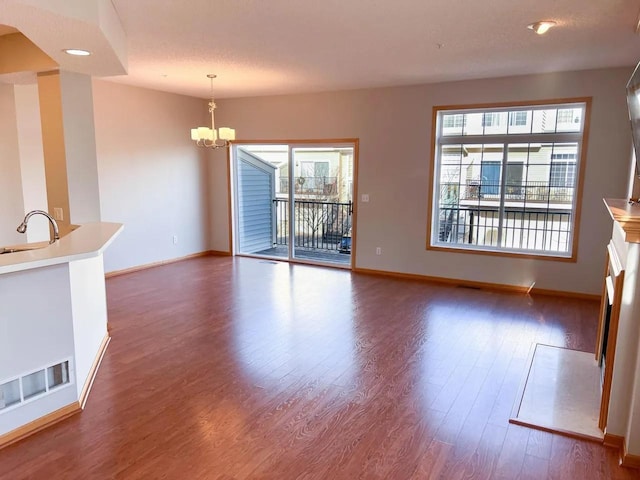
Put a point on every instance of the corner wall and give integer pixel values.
(151, 176)
(394, 128)
(11, 200)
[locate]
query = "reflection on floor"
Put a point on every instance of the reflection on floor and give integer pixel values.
(312, 254)
(562, 392)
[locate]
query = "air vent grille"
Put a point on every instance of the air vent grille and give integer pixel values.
(30, 386)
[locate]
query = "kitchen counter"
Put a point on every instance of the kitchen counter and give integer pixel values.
(88, 240)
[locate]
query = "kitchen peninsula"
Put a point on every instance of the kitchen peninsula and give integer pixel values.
(53, 328)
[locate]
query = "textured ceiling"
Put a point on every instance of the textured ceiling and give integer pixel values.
(259, 47)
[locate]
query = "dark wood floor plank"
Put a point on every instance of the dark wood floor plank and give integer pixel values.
(534, 468)
(483, 462)
(233, 368)
(539, 444)
(511, 459)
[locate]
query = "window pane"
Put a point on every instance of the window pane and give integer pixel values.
(9, 393)
(569, 120)
(544, 121)
(495, 123)
(452, 124)
(33, 384)
(58, 374)
(473, 124)
(520, 121)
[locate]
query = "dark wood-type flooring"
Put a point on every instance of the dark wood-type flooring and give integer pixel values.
(223, 368)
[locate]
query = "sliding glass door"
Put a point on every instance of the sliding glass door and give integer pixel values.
(295, 201)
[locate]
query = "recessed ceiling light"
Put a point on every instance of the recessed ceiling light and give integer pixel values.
(542, 27)
(77, 52)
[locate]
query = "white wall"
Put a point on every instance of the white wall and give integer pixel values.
(80, 148)
(11, 203)
(152, 177)
(89, 312)
(394, 128)
(34, 185)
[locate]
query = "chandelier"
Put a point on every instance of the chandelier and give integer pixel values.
(210, 137)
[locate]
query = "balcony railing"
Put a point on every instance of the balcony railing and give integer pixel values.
(547, 230)
(311, 185)
(526, 191)
(320, 225)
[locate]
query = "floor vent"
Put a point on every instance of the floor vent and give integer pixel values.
(24, 388)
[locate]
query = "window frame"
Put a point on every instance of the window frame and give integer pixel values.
(580, 162)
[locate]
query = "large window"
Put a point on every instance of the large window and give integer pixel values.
(508, 185)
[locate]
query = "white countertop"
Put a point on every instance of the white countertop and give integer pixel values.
(88, 240)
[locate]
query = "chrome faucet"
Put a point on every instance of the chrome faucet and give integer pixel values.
(22, 228)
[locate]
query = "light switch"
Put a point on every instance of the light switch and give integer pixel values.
(57, 213)
(365, 197)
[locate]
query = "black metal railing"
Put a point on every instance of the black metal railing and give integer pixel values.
(536, 230)
(320, 225)
(526, 191)
(311, 185)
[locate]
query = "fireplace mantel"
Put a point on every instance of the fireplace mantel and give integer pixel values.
(627, 215)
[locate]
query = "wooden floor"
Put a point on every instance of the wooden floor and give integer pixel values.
(224, 368)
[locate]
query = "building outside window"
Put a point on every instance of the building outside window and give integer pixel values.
(508, 190)
(517, 119)
(454, 121)
(490, 119)
(562, 174)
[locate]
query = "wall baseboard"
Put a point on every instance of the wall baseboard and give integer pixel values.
(619, 443)
(146, 266)
(566, 294)
(479, 285)
(39, 424)
(93, 371)
(628, 460)
(613, 441)
(219, 253)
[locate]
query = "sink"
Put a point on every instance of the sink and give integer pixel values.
(13, 250)
(23, 248)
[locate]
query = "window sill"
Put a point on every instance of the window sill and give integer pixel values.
(547, 256)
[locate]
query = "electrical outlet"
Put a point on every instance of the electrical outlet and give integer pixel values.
(378, 250)
(58, 213)
(175, 239)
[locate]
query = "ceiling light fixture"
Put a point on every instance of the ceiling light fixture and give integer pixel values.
(77, 52)
(209, 137)
(542, 27)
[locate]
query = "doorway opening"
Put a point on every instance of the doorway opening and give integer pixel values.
(294, 201)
